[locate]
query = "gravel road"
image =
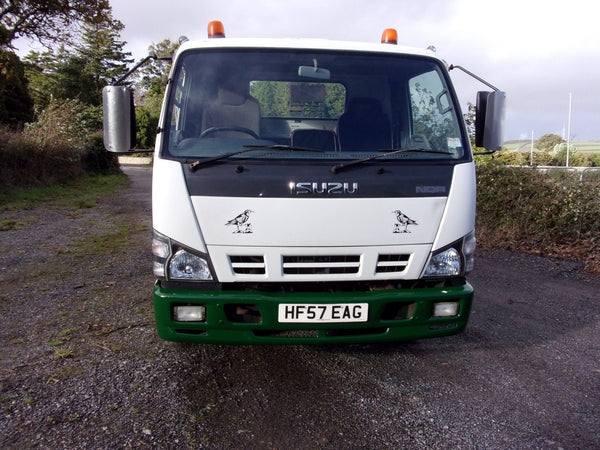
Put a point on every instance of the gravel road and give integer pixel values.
(81, 365)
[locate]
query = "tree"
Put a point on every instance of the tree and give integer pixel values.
(46, 21)
(154, 75)
(102, 54)
(151, 83)
(37, 66)
(81, 71)
(470, 122)
(16, 105)
(547, 142)
(291, 99)
(428, 119)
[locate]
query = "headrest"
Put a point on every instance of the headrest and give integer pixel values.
(227, 97)
(364, 106)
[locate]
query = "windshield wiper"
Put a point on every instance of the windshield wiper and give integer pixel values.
(201, 162)
(282, 147)
(338, 167)
(248, 148)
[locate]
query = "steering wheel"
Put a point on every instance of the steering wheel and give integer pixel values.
(213, 130)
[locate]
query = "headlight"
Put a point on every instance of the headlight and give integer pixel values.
(187, 266)
(172, 262)
(444, 264)
(161, 250)
(469, 251)
(456, 260)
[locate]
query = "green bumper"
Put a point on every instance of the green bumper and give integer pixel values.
(394, 315)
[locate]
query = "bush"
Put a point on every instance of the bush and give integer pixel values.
(516, 158)
(520, 208)
(63, 144)
(541, 158)
(96, 159)
(64, 123)
(511, 157)
(146, 129)
(23, 162)
(595, 159)
(576, 159)
(556, 157)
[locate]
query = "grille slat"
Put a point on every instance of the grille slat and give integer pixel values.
(392, 263)
(320, 264)
(247, 265)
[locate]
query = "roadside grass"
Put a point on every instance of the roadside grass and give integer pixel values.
(64, 352)
(74, 275)
(80, 193)
(7, 224)
(106, 242)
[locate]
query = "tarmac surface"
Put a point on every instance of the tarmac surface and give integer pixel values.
(524, 374)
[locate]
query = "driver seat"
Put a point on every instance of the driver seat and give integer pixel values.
(232, 109)
(364, 126)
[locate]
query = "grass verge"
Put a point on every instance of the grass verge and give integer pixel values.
(79, 193)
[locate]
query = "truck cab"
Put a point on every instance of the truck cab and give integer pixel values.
(311, 191)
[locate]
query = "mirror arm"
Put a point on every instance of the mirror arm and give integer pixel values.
(140, 64)
(468, 72)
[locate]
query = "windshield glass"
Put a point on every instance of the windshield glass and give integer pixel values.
(311, 105)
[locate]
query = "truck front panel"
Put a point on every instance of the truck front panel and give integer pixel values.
(318, 194)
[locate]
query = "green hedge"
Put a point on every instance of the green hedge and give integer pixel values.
(63, 144)
(558, 157)
(551, 213)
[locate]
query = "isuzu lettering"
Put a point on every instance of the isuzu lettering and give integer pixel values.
(310, 191)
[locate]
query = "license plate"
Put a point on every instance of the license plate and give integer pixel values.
(327, 313)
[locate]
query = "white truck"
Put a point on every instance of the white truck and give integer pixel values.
(310, 191)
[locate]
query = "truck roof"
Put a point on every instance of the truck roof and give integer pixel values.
(305, 44)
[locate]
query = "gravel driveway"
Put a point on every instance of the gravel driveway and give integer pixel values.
(81, 365)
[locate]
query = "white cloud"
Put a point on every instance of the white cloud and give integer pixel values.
(538, 51)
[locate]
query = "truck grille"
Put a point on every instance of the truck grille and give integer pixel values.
(392, 263)
(248, 265)
(320, 264)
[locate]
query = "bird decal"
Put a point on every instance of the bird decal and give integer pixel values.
(241, 222)
(402, 221)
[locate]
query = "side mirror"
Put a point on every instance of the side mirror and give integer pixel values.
(119, 119)
(489, 119)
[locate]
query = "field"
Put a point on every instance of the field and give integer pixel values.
(578, 146)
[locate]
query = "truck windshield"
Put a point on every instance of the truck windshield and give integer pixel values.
(324, 105)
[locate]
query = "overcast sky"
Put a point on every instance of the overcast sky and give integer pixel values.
(536, 51)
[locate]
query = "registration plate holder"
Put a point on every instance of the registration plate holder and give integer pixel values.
(323, 312)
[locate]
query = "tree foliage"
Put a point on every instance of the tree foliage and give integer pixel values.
(428, 120)
(62, 144)
(102, 51)
(16, 105)
(154, 74)
(547, 142)
(151, 82)
(469, 118)
(291, 99)
(47, 21)
(79, 72)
